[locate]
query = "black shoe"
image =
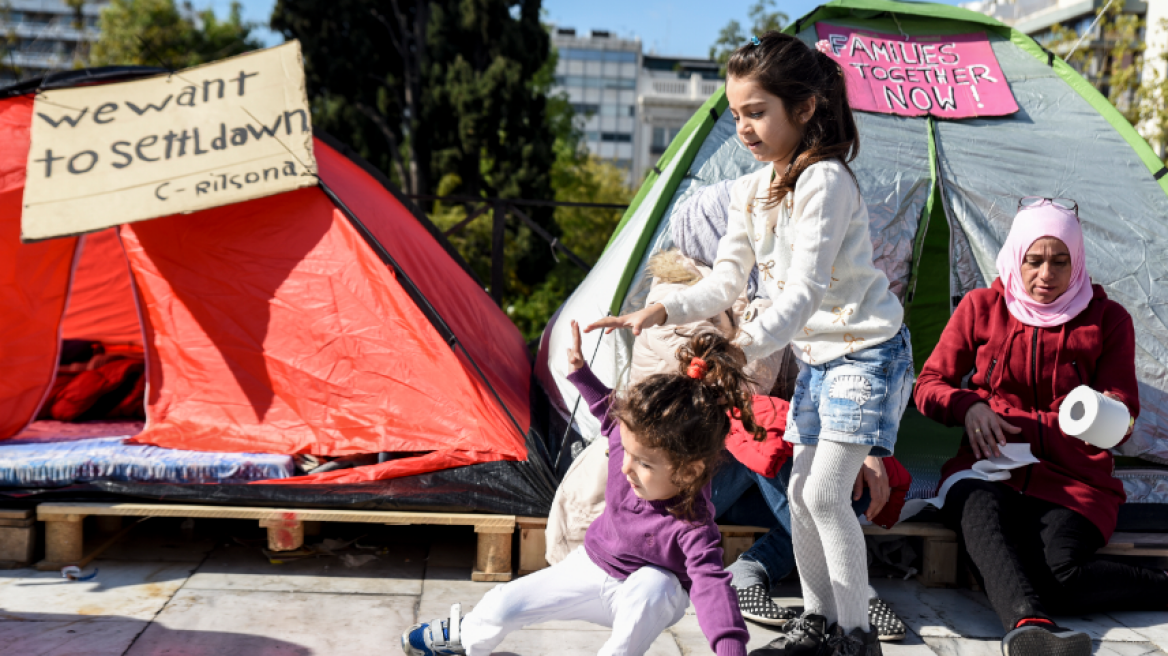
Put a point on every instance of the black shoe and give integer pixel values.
(853, 643)
(888, 626)
(1039, 640)
(803, 636)
(756, 605)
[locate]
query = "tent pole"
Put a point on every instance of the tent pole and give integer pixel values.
(576, 406)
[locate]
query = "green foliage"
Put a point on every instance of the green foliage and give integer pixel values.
(575, 176)
(1152, 100)
(763, 18)
(159, 33)
(585, 231)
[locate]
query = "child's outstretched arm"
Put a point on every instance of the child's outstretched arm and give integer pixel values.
(714, 601)
(711, 295)
(595, 393)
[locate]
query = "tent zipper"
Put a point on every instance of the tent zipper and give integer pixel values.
(1034, 386)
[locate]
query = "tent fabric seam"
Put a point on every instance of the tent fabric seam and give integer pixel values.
(60, 332)
(141, 327)
(674, 150)
(444, 330)
(926, 216)
(408, 203)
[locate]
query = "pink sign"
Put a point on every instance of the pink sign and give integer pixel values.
(952, 76)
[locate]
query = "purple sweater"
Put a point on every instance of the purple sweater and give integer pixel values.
(632, 533)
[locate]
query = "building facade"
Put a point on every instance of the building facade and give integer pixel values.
(42, 36)
(669, 91)
(598, 71)
(630, 105)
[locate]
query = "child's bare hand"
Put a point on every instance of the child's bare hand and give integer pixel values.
(575, 355)
(654, 315)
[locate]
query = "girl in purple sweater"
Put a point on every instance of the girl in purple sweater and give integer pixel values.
(656, 546)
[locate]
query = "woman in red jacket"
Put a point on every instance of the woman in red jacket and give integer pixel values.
(1040, 331)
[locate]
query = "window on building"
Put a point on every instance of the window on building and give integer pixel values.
(1083, 24)
(592, 136)
(620, 83)
(595, 82)
(617, 110)
(585, 109)
(625, 164)
(616, 137)
(598, 55)
(580, 81)
(662, 137)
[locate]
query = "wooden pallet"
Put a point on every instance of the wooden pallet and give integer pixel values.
(939, 555)
(64, 537)
(939, 560)
(1137, 544)
(17, 538)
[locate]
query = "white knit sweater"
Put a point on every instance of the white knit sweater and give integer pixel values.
(815, 260)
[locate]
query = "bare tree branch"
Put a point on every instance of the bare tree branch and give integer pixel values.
(397, 43)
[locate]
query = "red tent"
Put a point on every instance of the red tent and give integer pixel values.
(329, 320)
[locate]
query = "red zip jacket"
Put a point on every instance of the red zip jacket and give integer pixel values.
(768, 456)
(1023, 373)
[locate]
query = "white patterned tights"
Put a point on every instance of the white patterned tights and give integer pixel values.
(828, 541)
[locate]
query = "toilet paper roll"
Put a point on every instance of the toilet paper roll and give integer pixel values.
(1093, 418)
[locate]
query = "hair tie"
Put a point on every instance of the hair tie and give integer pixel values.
(697, 368)
(754, 41)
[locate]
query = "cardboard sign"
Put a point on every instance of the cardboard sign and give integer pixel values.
(952, 76)
(212, 135)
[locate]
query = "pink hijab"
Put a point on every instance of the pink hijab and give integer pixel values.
(1030, 225)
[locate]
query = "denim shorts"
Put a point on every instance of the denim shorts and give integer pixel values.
(858, 398)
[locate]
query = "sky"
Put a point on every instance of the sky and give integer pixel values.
(666, 27)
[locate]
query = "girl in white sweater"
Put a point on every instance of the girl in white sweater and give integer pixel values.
(803, 222)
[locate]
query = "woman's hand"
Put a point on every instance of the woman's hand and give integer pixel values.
(654, 315)
(872, 476)
(987, 430)
(575, 355)
(1132, 424)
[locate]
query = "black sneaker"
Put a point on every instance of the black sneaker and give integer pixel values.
(888, 626)
(756, 605)
(853, 643)
(1040, 640)
(803, 636)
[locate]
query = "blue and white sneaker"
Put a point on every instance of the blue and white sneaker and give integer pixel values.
(438, 638)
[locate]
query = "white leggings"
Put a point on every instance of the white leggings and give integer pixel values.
(638, 608)
(828, 541)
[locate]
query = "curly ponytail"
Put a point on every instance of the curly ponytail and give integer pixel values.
(687, 414)
(787, 68)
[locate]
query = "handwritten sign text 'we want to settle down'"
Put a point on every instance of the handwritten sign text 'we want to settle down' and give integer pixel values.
(222, 133)
(950, 76)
